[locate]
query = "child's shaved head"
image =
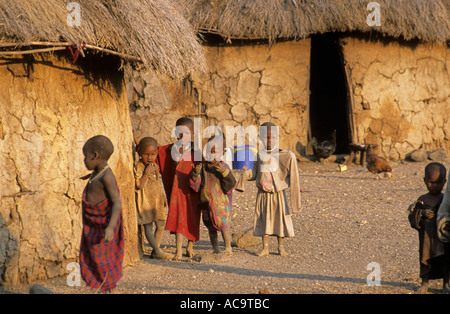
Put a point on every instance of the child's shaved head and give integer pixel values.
(186, 122)
(434, 168)
(145, 142)
(101, 145)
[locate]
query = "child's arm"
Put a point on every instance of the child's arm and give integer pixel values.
(142, 176)
(227, 181)
(255, 168)
(415, 214)
(195, 178)
(294, 183)
(109, 181)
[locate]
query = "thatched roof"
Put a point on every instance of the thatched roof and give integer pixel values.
(152, 30)
(426, 20)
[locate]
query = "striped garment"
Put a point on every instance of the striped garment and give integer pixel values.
(100, 261)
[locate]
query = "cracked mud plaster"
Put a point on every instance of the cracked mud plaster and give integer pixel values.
(244, 85)
(46, 117)
(401, 95)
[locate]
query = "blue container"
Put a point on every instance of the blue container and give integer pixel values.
(244, 155)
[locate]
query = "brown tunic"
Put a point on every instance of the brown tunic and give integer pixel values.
(150, 198)
(431, 249)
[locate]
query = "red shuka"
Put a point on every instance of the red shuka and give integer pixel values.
(100, 261)
(184, 215)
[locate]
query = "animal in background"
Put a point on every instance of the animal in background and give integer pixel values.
(326, 148)
(377, 164)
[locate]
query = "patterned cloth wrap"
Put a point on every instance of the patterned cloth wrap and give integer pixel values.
(101, 261)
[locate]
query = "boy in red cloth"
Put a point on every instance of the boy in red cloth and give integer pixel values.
(175, 163)
(102, 243)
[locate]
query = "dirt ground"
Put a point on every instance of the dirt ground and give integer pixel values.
(348, 220)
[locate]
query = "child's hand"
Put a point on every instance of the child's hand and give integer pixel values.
(109, 234)
(428, 213)
(151, 169)
(220, 167)
(197, 168)
(86, 177)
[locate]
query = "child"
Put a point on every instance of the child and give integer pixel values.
(215, 181)
(175, 163)
(275, 170)
(422, 217)
(443, 226)
(151, 198)
(102, 243)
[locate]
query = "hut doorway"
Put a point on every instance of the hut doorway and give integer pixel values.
(329, 102)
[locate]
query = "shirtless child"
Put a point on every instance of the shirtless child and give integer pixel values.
(102, 243)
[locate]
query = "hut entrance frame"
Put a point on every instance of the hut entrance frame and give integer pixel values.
(330, 100)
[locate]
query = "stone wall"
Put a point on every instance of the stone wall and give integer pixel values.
(245, 85)
(401, 94)
(48, 109)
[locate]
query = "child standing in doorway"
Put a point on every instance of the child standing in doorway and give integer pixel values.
(150, 196)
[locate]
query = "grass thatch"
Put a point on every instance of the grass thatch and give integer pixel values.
(426, 20)
(152, 30)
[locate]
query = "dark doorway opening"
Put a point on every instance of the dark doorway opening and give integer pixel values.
(329, 104)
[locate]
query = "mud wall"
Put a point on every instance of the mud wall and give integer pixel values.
(245, 85)
(401, 94)
(48, 109)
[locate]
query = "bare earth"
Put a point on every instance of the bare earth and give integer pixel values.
(348, 220)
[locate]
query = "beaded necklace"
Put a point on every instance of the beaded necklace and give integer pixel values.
(92, 179)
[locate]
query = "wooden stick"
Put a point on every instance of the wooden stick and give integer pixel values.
(24, 52)
(34, 43)
(123, 55)
(55, 44)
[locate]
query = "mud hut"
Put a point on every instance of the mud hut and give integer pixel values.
(376, 72)
(61, 83)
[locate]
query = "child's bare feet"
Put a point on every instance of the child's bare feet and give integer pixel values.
(190, 249)
(229, 251)
(282, 251)
(423, 288)
(178, 256)
(264, 251)
(161, 255)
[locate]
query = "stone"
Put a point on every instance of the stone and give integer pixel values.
(239, 112)
(38, 289)
(138, 85)
(418, 155)
(246, 239)
(437, 155)
(247, 86)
